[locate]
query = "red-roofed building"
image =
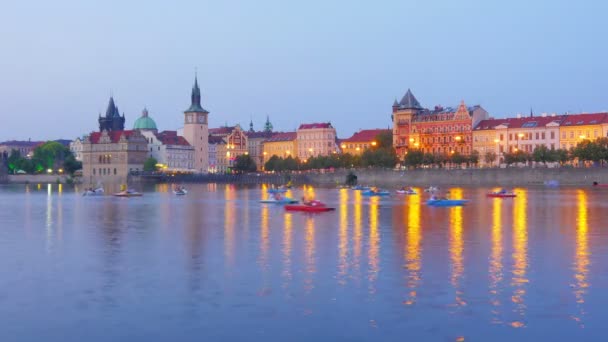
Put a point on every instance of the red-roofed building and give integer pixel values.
(235, 145)
(361, 140)
(316, 139)
(172, 152)
(110, 156)
(25, 148)
(494, 137)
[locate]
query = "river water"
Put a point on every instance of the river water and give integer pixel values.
(217, 265)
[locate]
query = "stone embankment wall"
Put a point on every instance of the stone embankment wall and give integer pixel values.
(35, 179)
(467, 177)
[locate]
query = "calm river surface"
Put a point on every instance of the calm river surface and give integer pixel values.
(217, 265)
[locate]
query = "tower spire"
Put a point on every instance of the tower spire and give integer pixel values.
(195, 98)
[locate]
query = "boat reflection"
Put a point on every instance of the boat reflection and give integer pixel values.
(357, 234)
(309, 252)
(229, 223)
(520, 257)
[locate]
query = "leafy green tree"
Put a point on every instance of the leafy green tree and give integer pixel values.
(70, 164)
(561, 155)
(13, 161)
(428, 159)
(474, 157)
(489, 157)
(414, 158)
(542, 154)
(244, 163)
(384, 140)
(380, 157)
(150, 164)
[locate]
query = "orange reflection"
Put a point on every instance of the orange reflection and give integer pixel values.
(229, 220)
(357, 229)
(374, 242)
(581, 260)
(496, 257)
(413, 255)
(520, 254)
(264, 238)
(343, 236)
(456, 247)
(310, 253)
(287, 239)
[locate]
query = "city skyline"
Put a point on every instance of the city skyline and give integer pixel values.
(297, 63)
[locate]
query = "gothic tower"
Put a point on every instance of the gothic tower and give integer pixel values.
(196, 129)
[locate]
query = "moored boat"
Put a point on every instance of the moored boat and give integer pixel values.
(284, 200)
(276, 190)
(180, 191)
(360, 187)
(128, 193)
(373, 192)
(444, 202)
(431, 189)
(409, 191)
(501, 194)
(93, 192)
(307, 208)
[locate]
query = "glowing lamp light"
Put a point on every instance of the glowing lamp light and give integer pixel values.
(496, 141)
(582, 137)
(49, 170)
(373, 143)
(343, 145)
(520, 135)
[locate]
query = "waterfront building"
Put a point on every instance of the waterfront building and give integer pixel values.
(235, 145)
(508, 135)
(196, 130)
(25, 148)
(440, 130)
(316, 139)
(255, 142)
(361, 141)
(112, 121)
(575, 128)
(172, 152)
(282, 144)
(110, 156)
(76, 148)
(214, 142)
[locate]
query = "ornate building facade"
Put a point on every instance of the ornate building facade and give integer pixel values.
(439, 131)
(110, 156)
(112, 121)
(282, 144)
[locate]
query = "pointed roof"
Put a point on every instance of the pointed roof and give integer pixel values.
(409, 101)
(251, 126)
(111, 110)
(395, 104)
(268, 126)
(195, 97)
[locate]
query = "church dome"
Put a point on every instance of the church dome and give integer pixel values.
(144, 122)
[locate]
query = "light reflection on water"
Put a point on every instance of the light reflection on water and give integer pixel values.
(187, 267)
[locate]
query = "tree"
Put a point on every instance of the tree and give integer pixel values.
(244, 163)
(474, 157)
(70, 165)
(428, 159)
(414, 158)
(561, 155)
(381, 157)
(489, 157)
(384, 140)
(272, 163)
(150, 164)
(542, 154)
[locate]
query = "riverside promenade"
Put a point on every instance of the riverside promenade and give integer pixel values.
(515, 176)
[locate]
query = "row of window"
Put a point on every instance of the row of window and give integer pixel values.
(443, 129)
(103, 171)
(446, 150)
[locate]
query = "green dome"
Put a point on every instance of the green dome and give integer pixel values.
(144, 122)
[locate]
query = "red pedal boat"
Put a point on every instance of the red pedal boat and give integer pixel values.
(311, 207)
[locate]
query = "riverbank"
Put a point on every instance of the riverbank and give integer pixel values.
(422, 177)
(38, 179)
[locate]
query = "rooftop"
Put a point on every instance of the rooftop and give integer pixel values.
(315, 125)
(283, 136)
(366, 135)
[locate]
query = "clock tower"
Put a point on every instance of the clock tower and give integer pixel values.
(196, 130)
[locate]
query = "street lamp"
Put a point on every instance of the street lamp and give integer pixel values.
(520, 135)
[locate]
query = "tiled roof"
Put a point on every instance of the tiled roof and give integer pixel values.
(283, 136)
(315, 125)
(114, 136)
(171, 138)
(365, 135)
(214, 139)
(261, 134)
(221, 130)
(584, 119)
(409, 101)
(524, 122)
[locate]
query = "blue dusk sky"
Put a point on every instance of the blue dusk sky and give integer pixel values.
(295, 61)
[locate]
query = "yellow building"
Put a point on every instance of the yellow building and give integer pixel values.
(235, 144)
(362, 140)
(281, 145)
(575, 128)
